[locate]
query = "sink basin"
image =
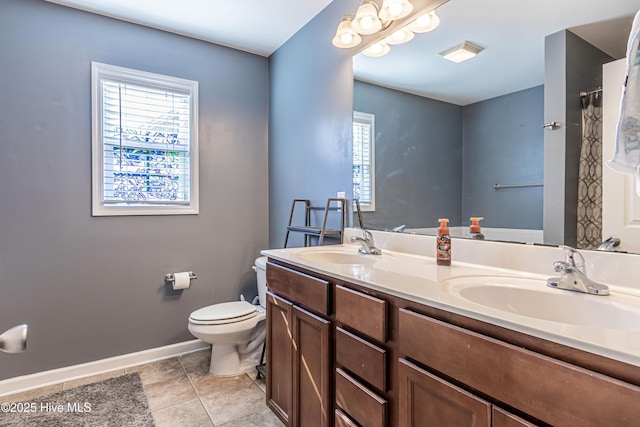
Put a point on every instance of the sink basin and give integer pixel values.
(533, 298)
(337, 257)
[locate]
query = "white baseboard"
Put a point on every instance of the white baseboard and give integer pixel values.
(70, 373)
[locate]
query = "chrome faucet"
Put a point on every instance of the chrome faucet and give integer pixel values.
(367, 245)
(573, 275)
(609, 244)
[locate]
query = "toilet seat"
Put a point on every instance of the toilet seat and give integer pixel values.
(223, 313)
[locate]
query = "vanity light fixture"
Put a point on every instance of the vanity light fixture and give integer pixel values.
(462, 52)
(371, 18)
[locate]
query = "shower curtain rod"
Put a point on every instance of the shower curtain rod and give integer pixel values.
(583, 93)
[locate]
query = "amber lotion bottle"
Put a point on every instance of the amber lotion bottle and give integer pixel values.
(443, 243)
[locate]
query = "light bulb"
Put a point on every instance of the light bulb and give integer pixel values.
(425, 23)
(395, 9)
(403, 35)
(398, 35)
(377, 50)
(366, 22)
(424, 20)
(346, 38)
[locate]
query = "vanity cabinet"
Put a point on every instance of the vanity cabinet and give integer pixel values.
(341, 354)
(298, 348)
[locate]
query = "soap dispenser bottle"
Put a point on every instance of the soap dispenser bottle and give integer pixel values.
(443, 243)
(474, 229)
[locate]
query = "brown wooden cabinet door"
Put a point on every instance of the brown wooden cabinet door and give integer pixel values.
(279, 357)
(311, 370)
(426, 400)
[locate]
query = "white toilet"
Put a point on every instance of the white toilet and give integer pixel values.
(235, 330)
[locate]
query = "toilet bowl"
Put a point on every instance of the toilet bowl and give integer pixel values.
(235, 330)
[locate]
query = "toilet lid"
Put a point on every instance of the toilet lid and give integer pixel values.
(225, 311)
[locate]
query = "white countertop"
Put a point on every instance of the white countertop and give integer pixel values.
(418, 278)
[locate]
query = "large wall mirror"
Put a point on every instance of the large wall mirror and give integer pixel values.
(461, 140)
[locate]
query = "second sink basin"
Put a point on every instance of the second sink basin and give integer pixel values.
(532, 298)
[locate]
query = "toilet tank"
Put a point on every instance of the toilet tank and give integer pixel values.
(261, 272)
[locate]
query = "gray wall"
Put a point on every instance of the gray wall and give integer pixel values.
(310, 127)
(418, 169)
(571, 65)
(92, 288)
(435, 159)
(503, 143)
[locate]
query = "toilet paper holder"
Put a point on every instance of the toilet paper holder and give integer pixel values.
(170, 278)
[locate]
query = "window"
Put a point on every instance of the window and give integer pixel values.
(145, 144)
(363, 160)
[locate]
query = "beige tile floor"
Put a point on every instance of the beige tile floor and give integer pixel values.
(181, 393)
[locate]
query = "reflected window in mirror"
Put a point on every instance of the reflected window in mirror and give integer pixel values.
(364, 160)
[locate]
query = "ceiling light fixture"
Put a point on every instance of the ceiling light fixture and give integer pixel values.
(462, 52)
(371, 18)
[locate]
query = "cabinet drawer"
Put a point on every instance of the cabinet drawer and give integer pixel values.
(360, 403)
(300, 288)
(550, 390)
(362, 312)
(362, 358)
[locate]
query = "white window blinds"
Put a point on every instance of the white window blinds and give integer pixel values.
(147, 145)
(363, 160)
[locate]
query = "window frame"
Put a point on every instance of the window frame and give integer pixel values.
(368, 119)
(100, 72)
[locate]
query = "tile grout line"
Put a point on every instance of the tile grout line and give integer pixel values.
(251, 413)
(243, 416)
(197, 393)
(205, 407)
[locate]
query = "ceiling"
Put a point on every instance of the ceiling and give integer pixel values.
(512, 32)
(258, 27)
